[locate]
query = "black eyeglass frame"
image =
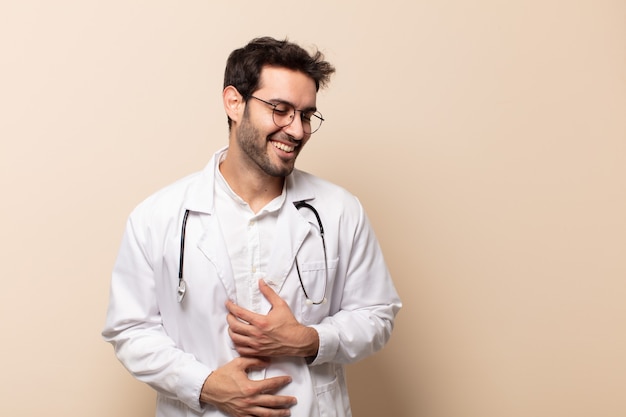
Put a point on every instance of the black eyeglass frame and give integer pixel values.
(316, 113)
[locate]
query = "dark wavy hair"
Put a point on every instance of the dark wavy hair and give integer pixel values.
(243, 67)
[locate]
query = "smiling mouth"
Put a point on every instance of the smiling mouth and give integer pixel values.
(283, 147)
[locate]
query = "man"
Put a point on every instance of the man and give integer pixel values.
(243, 290)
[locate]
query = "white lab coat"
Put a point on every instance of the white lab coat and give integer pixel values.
(174, 346)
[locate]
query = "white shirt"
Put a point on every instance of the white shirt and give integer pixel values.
(249, 239)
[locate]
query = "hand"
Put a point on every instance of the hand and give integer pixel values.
(276, 334)
(231, 391)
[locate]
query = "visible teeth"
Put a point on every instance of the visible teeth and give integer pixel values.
(283, 147)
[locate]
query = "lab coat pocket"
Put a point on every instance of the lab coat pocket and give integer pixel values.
(332, 400)
(316, 289)
(170, 407)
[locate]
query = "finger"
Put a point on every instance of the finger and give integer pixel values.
(232, 307)
(241, 313)
(236, 325)
(269, 293)
(243, 344)
(236, 338)
(249, 363)
(276, 401)
(279, 410)
(273, 384)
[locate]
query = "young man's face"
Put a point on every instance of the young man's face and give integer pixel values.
(271, 148)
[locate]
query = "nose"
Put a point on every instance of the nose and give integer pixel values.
(296, 129)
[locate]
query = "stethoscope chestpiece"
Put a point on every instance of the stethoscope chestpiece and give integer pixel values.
(182, 289)
(310, 302)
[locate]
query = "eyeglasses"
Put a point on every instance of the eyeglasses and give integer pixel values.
(284, 114)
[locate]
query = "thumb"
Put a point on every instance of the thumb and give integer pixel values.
(247, 363)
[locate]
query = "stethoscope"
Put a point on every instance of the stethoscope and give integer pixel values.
(182, 285)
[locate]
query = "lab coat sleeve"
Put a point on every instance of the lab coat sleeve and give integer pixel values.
(369, 302)
(134, 327)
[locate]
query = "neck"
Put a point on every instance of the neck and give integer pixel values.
(256, 189)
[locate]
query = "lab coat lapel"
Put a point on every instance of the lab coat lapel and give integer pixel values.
(212, 245)
(200, 199)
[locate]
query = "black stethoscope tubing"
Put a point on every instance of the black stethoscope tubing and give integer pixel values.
(182, 285)
(299, 205)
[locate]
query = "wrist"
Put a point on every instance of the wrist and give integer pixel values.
(311, 343)
(205, 392)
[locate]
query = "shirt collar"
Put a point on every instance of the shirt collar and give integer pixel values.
(201, 192)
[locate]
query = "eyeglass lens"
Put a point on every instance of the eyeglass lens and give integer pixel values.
(284, 114)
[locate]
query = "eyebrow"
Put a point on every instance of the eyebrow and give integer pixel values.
(308, 109)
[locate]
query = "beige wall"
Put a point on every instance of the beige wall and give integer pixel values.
(486, 139)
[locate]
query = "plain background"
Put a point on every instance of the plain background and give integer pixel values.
(486, 139)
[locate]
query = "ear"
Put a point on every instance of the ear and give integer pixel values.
(233, 103)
